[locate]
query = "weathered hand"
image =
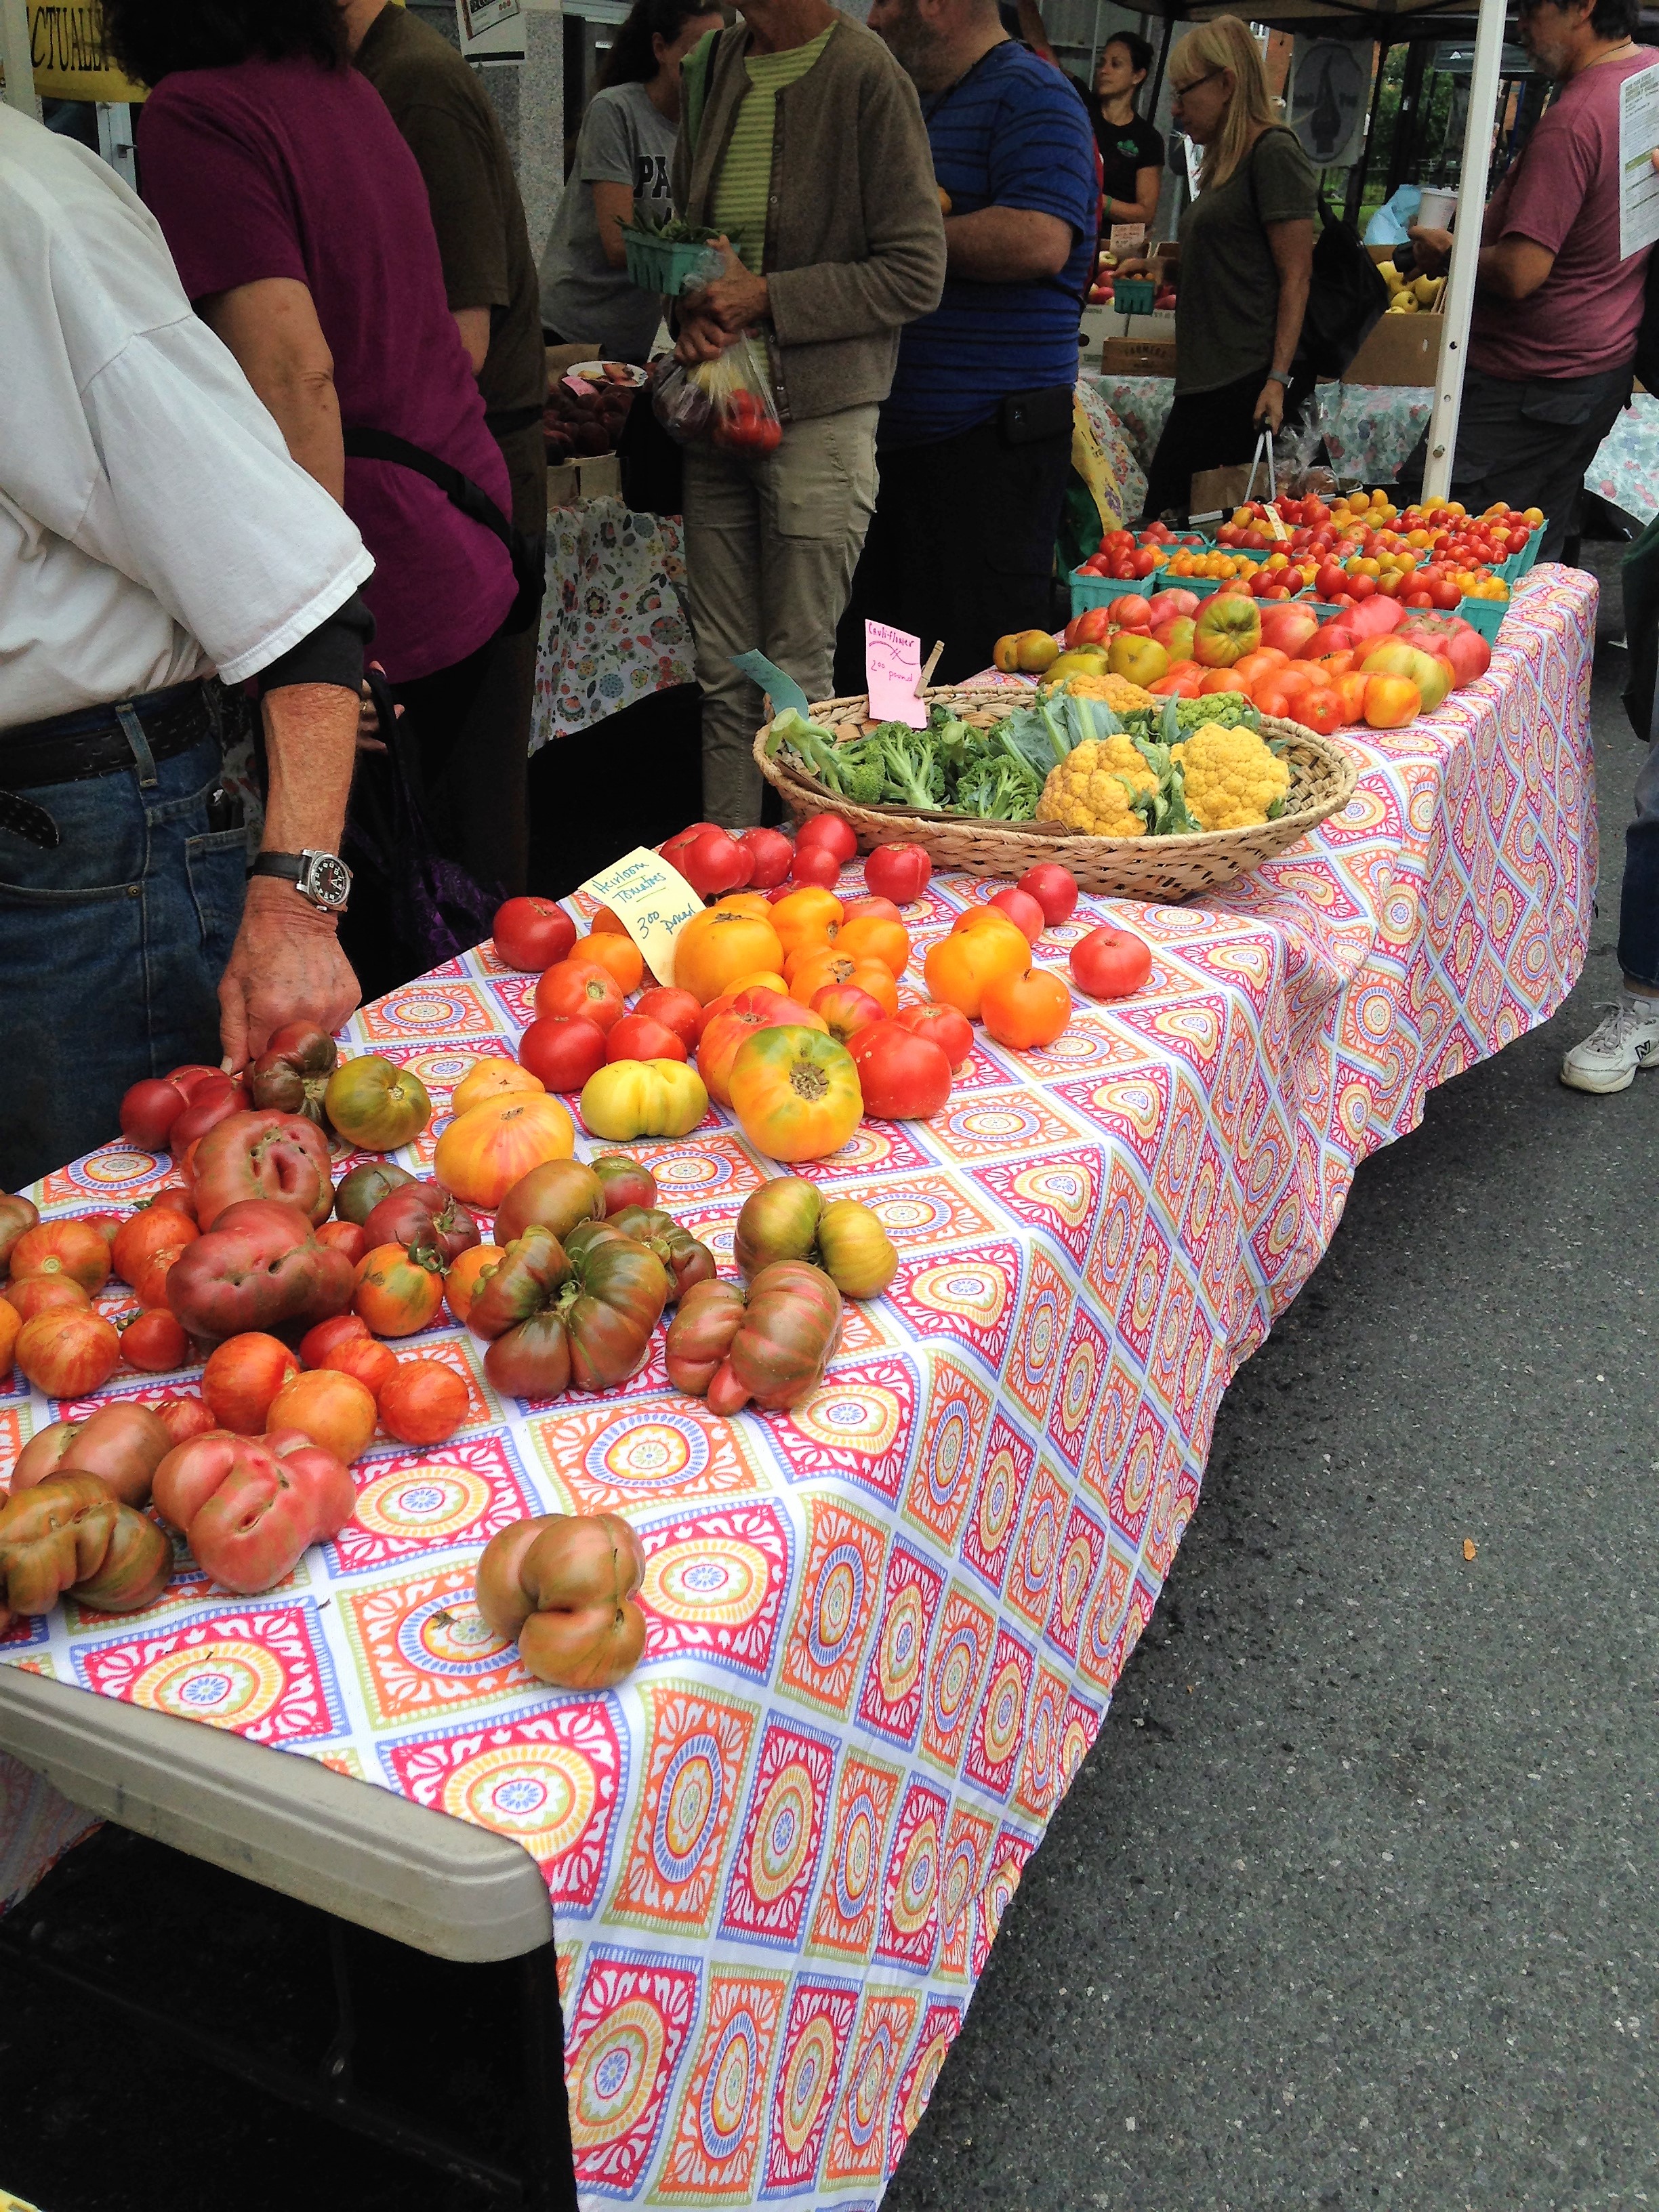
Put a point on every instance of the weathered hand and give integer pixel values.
(700, 338)
(285, 966)
(1270, 406)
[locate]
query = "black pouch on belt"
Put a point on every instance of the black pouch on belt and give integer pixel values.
(1027, 416)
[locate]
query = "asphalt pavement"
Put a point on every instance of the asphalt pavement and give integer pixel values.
(1353, 1902)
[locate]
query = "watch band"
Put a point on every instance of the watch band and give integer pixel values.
(322, 879)
(291, 866)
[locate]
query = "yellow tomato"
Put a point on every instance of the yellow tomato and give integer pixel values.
(764, 979)
(959, 966)
(643, 1099)
(484, 1152)
(720, 943)
(805, 918)
(491, 1078)
(795, 1093)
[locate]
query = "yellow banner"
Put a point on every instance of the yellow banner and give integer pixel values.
(66, 45)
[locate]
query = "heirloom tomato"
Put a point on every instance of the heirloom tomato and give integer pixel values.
(398, 1293)
(531, 933)
(749, 1011)
(1022, 909)
(17, 1215)
(345, 1236)
(560, 1051)
(826, 965)
(1026, 1012)
(153, 1229)
(854, 1250)
(871, 937)
(10, 1322)
(72, 1249)
(830, 831)
(423, 1214)
(952, 1032)
(334, 1409)
(719, 946)
(627, 1182)
(422, 1402)
(68, 1535)
(364, 1356)
(265, 1155)
(806, 919)
(291, 1074)
(845, 1009)
(148, 1110)
(770, 853)
(68, 1354)
(320, 1339)
(637, 1037)
(672, 847)
(184, 1417)
(903, 1077)
(814, 865)
(562, 1587)
(788, 1219)
(241, 1378)
(491, 1078)
(484, 1152)
(1110, 964)
(361, 1191)
(643, 1099)
(685, 1260)
(679, 1011)
(556, 1195)
(795, 1092)
(714, 861)
(208, 1103)
(580, 989)
(461, 1283)
(618, 955)
(46, 1294)
(153, 1342)
(249, 1506)
(257, 1266)
(901, 873)
(122, 1444)
(767, 1348)
(375, 1105)
(959, 966)
(854, 909)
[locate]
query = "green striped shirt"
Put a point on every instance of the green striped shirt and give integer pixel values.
(745, 177)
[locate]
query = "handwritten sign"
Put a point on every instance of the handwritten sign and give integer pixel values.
(892, 663)
(652, 901)
(1127, 237)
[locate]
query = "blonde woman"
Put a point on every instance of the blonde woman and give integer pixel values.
(1246, 256)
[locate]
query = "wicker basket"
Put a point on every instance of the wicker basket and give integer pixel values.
(1168, 869)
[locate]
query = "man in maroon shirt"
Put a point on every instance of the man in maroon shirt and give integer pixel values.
(1556, 310)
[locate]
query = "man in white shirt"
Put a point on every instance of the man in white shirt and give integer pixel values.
(153, 529)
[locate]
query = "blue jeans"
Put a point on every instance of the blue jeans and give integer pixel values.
(111, 951)
(1639, 904)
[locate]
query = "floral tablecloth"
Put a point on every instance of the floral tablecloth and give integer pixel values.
(883, 1631)
(613, 626)
(1626, 469)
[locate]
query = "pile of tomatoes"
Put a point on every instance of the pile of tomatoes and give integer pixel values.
(1121, 558)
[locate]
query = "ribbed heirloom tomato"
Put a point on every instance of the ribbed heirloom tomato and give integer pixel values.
(490, 1079)
(795, 1092)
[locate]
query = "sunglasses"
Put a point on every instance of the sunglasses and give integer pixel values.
(1179, 91)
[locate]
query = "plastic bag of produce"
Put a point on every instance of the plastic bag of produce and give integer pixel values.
(728, 400)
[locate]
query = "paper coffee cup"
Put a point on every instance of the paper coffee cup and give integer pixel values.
(1437, 211)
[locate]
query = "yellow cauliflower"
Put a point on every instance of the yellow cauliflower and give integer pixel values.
(1231, 777)
(1090, 789)
(1120, 695)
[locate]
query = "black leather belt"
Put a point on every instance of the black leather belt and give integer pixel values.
(91, 742)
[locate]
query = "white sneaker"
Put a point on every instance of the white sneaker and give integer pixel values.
(1627, 1038)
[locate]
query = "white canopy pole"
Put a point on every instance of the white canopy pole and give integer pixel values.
(1471, 209)
(15, 52)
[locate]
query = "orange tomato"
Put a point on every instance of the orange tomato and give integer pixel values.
(1300, 678)
(484, 1152)
(1391, 701)
(1337, 664)
(619, 955)
(749, 1011)
(755, 902)
(1027, 1011)
(1224, 679)
(1350, 689)
(959, 966)
(1320, 710)
(720, 943)
(70, 1248)
(1251, 667)
(10, 1322)
(395, 1295)
(424, 1402)
(807, 917)
(1269, 699)
(795, 1092)
(461, 1283)
(491, 1078)
(335, 1410)
(873, 936)
(764, 979)
(843, 1006)
(607, 924)
(813, 971)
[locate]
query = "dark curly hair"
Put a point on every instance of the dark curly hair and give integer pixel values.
(151, 39)
(631, 59)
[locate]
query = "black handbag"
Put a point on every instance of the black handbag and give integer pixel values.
(1347, 299)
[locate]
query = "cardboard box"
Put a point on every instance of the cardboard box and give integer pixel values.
(1402, 349)
(587, 476)
(1160, 324)
(1141, 356)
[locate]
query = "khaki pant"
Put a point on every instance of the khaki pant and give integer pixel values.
(771, 543)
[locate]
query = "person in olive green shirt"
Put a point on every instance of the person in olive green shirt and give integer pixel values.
(447, 120)
(801, 138)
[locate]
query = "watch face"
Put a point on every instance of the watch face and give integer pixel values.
(328, 880)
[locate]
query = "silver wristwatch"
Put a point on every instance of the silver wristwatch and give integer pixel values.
(321, 878)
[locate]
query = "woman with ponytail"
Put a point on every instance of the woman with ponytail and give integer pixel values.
(619, 174)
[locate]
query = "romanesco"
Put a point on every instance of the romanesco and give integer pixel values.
(1092, 788)
(1232, 781)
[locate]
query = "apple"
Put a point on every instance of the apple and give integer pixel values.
(1431, 675)
(1228, 626)
(1163, 605)
(1141, 659)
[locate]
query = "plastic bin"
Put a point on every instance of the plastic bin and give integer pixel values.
(655, 264)
(1486, 615)
(1516, 565)
(1134, 295)
(1100, 591)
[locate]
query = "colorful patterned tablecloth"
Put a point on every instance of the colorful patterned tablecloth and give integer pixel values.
(883, 1631)
(614, 625)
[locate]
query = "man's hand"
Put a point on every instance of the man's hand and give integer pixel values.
(285, 966)
(1433, 249)
(1270, 405)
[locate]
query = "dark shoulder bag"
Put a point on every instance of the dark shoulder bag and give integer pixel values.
(1346, 299)
(529, 567)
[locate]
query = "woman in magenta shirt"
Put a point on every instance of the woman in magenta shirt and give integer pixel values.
(300, 224)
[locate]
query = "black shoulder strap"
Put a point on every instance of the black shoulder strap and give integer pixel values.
(472, 501)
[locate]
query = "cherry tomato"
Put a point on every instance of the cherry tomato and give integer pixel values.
(901, 873)
(532, 932)
(827, 829)
(563, 1052)
(1110, 964)
(1055, 889)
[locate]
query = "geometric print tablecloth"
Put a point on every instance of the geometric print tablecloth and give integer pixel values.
(614, 627)
(883, 1631)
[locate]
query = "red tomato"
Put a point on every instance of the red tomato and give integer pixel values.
(344, 1237)
(422, 1402)
(241, 1378)
(561, 1052)
(321, 1339)
(676, 845)
(581, 990)
(1132, 611)
(636, 1037)
(184, 1417)
(364, 1356)
(68, 1352)
(676, 1010)
(1269, 698)
(952, 1032)
(827, 829)
(1110, 964)
(532, 932)
(769, 855)
(715, 863)
(1055, 889)
(1022, 909)
(901, 873)
(155, 1343)
(1320, 710)
(903, 1077)
(852, 909)
(847, 1009)
(815, 863)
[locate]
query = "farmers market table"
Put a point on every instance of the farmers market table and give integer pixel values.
(884, 1631)
(614, 627)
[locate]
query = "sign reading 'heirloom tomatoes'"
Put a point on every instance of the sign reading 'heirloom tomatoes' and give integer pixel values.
(652, 901)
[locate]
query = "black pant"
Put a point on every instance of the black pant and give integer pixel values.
(1528, 444)
(1205, 430)
(961, 547)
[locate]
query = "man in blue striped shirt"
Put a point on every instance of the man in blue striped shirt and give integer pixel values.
(974, 440)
